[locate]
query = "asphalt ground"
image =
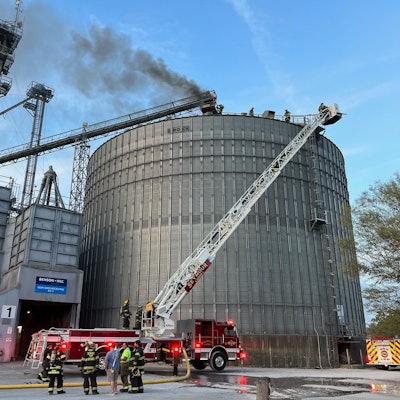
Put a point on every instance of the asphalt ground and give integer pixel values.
(234, 383)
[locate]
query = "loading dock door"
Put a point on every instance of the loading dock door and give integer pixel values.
(37, 315)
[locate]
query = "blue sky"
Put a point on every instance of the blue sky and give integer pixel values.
(253, 53)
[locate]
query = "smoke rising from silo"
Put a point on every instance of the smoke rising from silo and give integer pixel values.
(104, 60)
(97, 63)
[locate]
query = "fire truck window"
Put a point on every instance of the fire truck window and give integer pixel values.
(204, 331)
(229, 331)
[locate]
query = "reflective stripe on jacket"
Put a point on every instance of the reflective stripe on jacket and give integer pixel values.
(89, 361)
(56, 360)
(137, 360)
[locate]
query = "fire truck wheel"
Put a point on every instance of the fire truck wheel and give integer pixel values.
(102, 368)
(218, 361)
(197, 364)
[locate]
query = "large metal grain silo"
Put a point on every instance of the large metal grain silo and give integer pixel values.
(154, 192)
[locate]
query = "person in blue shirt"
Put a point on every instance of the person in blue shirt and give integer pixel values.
(112, 365)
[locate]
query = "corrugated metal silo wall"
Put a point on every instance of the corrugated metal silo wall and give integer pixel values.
(154, 192)
(287, 351)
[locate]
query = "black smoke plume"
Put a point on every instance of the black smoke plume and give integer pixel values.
(104, 60)
(97, 64)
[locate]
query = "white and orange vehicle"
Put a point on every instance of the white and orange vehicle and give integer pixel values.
(383, 352)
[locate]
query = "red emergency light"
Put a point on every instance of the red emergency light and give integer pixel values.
(230, 322)
(243, 355)
(176, 349)
(197, 345)
(64, 346)
(110, 344)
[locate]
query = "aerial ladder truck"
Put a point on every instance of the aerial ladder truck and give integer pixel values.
(156, 317)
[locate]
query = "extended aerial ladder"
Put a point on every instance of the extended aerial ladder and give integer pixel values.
(156, 320)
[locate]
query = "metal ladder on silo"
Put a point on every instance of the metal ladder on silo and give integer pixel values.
(319, 222)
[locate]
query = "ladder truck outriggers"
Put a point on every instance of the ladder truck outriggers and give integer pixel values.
(156, 317)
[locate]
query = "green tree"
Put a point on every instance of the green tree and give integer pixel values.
(376, 219)
(385, 325)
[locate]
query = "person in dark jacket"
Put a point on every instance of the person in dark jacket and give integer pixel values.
(126, 315)
(44, 374)
(136, 368)
(56, 362)
(89, 367)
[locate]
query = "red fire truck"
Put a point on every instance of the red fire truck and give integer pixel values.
(73, 342)
(207, 342)
(159, 323)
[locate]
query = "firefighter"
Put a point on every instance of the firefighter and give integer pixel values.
(287, 116)
(136, 368)
(138, 317)
(56, 361)
(89, 367)
(125, 314)
(150, 307)
(322, 107)
(44, 375)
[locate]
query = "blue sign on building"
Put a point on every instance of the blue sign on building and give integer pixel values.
(50, 285)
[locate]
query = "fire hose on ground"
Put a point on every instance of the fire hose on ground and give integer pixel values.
(79, 384)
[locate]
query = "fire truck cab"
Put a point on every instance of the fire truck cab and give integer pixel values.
(208, 342)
